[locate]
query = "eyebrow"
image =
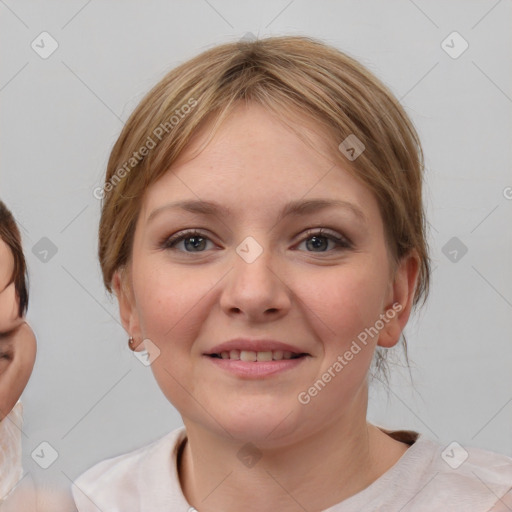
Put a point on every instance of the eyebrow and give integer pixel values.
(298, 208)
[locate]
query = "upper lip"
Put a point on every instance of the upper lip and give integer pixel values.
(254, 345)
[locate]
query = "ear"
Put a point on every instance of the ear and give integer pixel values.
(400, 299)
(127, 308)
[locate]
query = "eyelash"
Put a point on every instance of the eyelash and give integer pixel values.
(341, 242)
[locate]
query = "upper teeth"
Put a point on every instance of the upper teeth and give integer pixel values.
(250, 355)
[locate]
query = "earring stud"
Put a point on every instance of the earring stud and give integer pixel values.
(130, 340)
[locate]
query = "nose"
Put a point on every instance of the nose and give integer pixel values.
(256, 290)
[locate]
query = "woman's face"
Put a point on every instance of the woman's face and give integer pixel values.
(17, 341)
(8, 303)
(251, 272)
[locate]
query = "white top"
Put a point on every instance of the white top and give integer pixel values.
(428, 477)
(10, 450)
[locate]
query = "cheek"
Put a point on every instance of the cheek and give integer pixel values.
(350, 299)
(169, 311)
(349, 302)
(9, 305)
(4, 364)
(168, 301)
(6, 264)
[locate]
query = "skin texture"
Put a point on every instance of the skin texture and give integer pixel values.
(8, 302)
(317, 300)
(17, 340)
(7, 264)
(17, 358)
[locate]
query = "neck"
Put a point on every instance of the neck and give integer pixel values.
(306, 473)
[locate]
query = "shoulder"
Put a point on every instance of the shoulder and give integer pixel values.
(437, 475)
(462, 477)
(118, 482)
(469, 462)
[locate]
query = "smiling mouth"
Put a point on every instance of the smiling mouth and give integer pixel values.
(252, 356)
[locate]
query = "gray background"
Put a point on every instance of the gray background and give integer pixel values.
(88, 397)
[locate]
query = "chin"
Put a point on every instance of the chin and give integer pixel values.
(259, 423)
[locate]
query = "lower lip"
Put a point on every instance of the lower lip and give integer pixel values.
(250, 369)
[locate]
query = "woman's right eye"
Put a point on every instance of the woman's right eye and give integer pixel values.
(193, 240)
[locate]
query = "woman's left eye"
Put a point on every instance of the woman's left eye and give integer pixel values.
(320, 240)
(316, 241)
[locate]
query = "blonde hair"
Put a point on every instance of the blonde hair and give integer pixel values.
(283, 74)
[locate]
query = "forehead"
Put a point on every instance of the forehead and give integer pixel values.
(255, 162)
